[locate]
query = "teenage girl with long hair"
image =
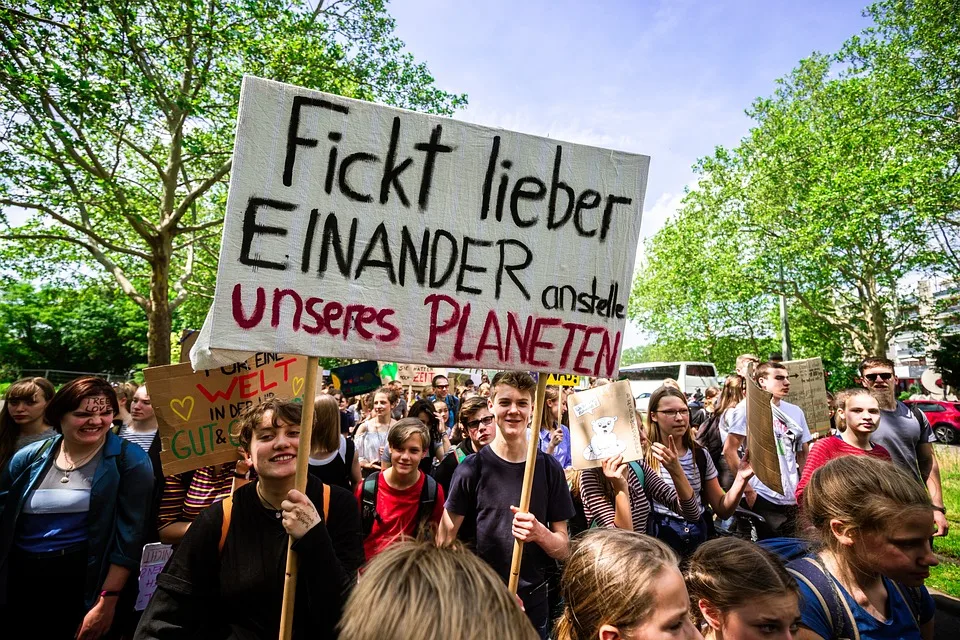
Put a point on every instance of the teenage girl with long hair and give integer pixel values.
(873, 522)
(21, 419)
(741, 591)
(668, 423)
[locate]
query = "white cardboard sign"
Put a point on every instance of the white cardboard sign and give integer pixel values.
(358, 229)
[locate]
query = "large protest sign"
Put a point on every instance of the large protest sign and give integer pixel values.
(761, 441)
(603, 423)
(372, 232)
(197, 411)
(808, 390)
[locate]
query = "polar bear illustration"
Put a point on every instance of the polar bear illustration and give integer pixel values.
(604, 442)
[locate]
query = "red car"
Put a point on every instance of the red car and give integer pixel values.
(944, 417)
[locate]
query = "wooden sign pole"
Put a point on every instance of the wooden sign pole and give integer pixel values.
(303, 460)
(528, 473)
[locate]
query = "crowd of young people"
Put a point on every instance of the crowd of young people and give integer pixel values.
(407, 525)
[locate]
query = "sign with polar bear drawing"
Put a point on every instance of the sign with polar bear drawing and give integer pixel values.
(603, 424)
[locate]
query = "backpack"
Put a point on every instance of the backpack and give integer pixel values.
(806, 568)
(228, 513)
(368, 501)
(708, 437)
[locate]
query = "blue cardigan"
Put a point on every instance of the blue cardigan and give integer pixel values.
(120, 500)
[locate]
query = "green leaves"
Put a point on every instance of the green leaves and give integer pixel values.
(118, 124)
(840, 193)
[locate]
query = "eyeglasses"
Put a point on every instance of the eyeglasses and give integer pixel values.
(485, 421)
(674, 413)
(872, 377)
(442, 386)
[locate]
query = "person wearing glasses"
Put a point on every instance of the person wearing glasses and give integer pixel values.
(793, 438)
(476, 424)
(906, 434)
(441, 393)
(668, 423)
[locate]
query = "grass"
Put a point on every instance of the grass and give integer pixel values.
(946, 576)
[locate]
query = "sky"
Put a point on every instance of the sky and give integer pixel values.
(669, 79)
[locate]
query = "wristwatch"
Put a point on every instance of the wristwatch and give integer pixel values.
(942, 510)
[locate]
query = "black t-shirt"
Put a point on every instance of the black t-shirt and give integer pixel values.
(237, 593)
(488, 484)
(337, 470)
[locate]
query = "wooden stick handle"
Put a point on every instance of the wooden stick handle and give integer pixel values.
(303, 461)
(528, 472)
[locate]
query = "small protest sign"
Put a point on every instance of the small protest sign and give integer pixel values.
(561, 380)
(154, 558)
(603, 423)
(808, 390)
(355, 379)
(197, 411)
(361, 230)
(418, 376)
(761, 441)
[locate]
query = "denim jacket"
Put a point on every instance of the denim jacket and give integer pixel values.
(120, 500)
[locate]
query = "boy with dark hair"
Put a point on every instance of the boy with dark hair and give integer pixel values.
(489, 484)
(905, 433)
(397, 502)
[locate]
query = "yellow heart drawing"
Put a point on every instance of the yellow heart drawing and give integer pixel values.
(183, 408)
(297, 385)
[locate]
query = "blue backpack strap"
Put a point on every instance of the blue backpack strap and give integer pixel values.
(638, 471)
(368, 503)
(913, 596)
(831, 601)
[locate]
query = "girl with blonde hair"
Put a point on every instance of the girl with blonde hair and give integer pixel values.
(620, 585)
(417, 591)
(741, 591)
(333, 458)
(873, 522)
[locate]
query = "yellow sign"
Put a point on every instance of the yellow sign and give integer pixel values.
(562, 380)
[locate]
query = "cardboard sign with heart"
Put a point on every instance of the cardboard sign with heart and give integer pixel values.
(198, 411)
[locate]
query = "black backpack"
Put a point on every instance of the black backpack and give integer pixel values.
(368, 502)
(708, 437)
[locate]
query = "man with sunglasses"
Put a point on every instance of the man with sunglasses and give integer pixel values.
(906, 434)
(793, 438)
(441, 388)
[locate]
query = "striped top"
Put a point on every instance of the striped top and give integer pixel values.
(181, 503)
(142, 438)
(690, 469)
(598, 507)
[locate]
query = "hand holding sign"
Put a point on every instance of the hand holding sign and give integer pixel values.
(615, 470)
(299, 514)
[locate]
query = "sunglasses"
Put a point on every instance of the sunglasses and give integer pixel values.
(872, 377)
(485, 421)
(442, 386)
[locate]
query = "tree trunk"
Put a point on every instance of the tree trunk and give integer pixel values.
(158, 315)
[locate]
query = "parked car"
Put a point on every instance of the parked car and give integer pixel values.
(944, 417)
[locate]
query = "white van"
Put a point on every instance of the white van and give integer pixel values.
(646, 377)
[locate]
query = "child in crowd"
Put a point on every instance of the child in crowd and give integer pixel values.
(740, 591)
(874, 522)
(858, 416)
(489, 485)
(398, 501)
(620, 585)
(416, 591)
(668, 425)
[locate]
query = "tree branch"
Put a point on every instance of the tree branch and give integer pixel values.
(198, 191)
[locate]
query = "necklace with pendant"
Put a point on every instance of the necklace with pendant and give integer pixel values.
(73, 465)
(277, 512)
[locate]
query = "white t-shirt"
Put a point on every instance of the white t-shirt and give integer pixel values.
(791, 431)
